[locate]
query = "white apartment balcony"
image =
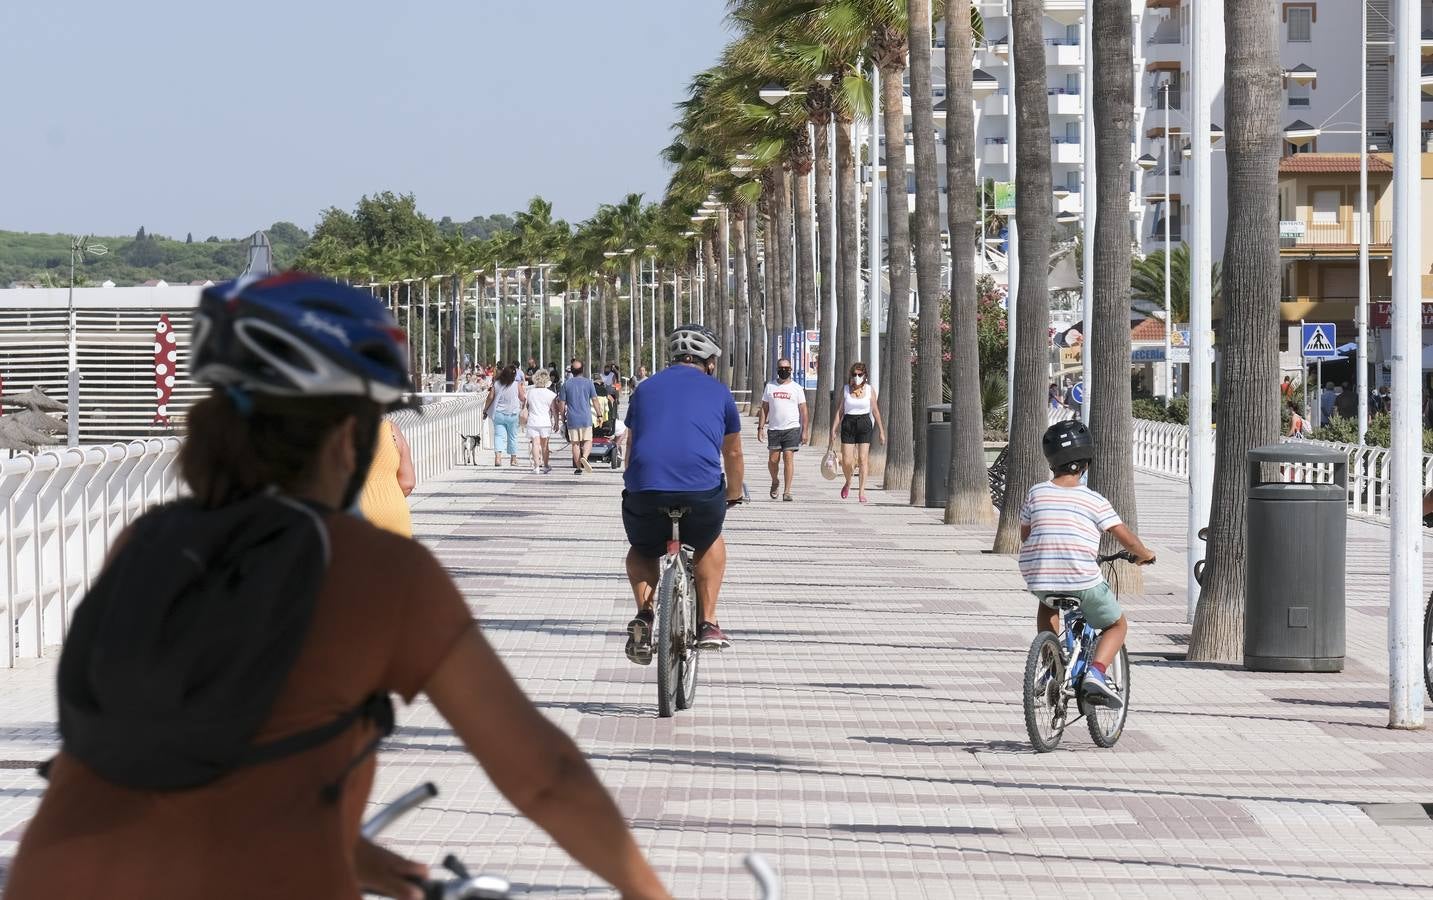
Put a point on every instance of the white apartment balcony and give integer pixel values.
(997, 152)
(1064, 6)
(1060, 52)
(996, 105)
(1064, 103)
(1065, 152)
(991, 8)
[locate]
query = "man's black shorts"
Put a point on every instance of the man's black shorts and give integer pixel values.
(649, 528)
(857, 429)
(785, 439)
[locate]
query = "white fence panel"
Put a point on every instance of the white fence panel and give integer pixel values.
(61, 511)
(1163, 447)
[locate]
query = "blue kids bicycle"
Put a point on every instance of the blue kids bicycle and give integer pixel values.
(1055, 670)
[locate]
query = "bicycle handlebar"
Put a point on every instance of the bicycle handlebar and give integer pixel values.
(1124, 556)
(399, 808)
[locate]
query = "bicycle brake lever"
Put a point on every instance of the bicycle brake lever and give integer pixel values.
(455, 865)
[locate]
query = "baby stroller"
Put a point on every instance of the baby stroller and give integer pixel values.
(605, 447)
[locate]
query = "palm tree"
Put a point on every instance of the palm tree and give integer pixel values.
(1147, 281)
(1035, 216)
(969, 501)
(848, 234)
(1249, 329)
(927, 235)
(1112, 472)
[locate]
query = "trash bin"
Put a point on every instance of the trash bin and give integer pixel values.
(937, 455)
(1297, 526)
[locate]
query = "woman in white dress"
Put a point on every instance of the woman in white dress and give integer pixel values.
(540, 419)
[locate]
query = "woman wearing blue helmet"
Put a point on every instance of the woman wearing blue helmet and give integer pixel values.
(226, 678)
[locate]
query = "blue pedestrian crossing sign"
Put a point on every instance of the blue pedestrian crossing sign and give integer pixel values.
(1077, 393)
(1320, 340)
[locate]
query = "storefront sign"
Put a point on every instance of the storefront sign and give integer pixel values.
(1147, 354)
(1380, 315)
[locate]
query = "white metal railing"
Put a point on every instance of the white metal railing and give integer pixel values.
(61, 510)
(1163, 447)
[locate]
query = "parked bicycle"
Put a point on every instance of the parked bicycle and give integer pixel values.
(466, 886)
(1056, 667)
(678, 615)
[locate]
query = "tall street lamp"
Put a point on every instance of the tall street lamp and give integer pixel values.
(79, 248)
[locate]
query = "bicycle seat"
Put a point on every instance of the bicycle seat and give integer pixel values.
(1062, 601)
(675, 512)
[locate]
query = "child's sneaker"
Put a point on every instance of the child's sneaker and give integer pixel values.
(1098, 691)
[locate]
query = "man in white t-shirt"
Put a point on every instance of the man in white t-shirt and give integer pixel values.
(783, 409)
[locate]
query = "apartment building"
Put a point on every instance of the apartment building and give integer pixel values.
(1319, 49)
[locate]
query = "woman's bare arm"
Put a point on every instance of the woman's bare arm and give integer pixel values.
(407, 476)
(537, 766)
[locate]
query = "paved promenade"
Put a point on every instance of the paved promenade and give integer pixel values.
(866, 734)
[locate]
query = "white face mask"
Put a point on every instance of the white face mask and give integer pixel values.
(859, 379)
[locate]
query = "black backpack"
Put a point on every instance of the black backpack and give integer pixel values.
(180, 648)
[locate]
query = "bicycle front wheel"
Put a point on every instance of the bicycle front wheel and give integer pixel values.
(1044, 684)
(1428, 646)
(688, 654)
(1106, 725)
(668, 638)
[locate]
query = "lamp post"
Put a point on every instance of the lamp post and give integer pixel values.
(78, 248)
(1201, 456)
(1405, 689)
(1088, 191)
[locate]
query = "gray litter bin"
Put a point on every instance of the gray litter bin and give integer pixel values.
(937, 455)
(1294, 595)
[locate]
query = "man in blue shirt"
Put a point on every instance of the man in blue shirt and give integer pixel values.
(574, 401)
(682, 426)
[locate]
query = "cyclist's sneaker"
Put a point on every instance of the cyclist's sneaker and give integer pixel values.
(639, 638)
(1099, 691)
(709, 637)
(576, 470)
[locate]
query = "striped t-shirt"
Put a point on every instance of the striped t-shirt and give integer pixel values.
(1064, 545)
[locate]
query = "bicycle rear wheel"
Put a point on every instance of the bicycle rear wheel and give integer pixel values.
(1106, 725)
(668, 638)
(1044, 681)
(688, 654)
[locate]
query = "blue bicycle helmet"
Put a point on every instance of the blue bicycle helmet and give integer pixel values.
(299, 335)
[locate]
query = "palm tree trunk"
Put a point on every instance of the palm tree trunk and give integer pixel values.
(741, 303)
(969, 501)
(848, 246)
(1035, 216)
(1249, 328)
(1112, 472)
(895, 388)
(774, 295)
(786, 274)
(826, 302)
(927, 238)
(756, 296)
(805, 260)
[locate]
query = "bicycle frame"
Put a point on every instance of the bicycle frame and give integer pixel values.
(1077, 640)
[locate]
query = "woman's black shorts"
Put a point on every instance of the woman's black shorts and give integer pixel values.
(857, 429)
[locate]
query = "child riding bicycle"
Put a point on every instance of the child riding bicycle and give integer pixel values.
(1060, 528)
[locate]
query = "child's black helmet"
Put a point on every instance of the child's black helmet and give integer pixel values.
(1067, 442)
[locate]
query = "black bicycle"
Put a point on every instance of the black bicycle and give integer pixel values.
(1055, 671)
(678, 616)
(466, 886)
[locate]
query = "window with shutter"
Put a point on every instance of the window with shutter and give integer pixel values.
(1301, 23)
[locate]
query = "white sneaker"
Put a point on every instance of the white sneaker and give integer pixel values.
(586, 466)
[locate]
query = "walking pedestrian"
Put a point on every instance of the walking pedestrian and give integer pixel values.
(505, 401)
(391, 478)
(783, 417)
(574, 405)
(541, 419)
(641, 377)
(1326, 403)
(1298, 425)
(1345, 402)
(859, 420)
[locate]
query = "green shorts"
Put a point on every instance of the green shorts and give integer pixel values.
(1098, 604)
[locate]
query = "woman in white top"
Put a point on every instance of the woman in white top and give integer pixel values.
(859, 419)
(505, 401)
(540, 419)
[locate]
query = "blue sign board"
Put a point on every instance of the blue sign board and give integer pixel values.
(1077, 393)
(1147, 354)
(1320, 340)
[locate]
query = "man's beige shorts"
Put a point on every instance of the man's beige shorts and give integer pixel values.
(578, 435)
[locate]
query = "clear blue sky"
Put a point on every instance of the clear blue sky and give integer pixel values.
(219, 118)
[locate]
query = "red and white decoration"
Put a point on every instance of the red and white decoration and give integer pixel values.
(166, 356)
